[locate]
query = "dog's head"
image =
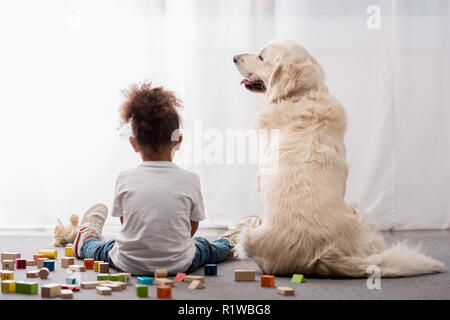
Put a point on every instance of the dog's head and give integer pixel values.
(282, 69)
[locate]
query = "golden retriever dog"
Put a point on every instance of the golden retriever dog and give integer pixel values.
(307, 226)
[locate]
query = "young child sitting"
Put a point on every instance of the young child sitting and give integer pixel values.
(159, 204)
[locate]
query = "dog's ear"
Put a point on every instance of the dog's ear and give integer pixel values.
(289, 78)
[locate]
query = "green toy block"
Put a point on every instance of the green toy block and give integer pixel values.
(298, 278)
(116, 277)
(27, 287)
(103, 276)
(142, 290)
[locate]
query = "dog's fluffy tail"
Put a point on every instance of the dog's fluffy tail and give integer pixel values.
(398, 261)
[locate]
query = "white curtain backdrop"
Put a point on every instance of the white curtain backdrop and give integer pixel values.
(64, 63)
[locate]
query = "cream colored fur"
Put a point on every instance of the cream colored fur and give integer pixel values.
(307, 226)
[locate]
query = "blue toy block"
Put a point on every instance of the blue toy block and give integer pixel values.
(145, 280)
(210, 269)
(50, 265)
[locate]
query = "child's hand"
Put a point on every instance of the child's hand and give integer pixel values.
(194, 227)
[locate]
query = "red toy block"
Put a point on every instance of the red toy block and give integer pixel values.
(179, 277)
(267, 281)
(89, 263)
(73, 287)
(21, 264)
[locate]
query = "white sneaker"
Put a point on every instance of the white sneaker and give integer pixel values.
(233, 233)
(92, 229)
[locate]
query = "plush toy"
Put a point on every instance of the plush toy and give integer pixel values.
(65, 234)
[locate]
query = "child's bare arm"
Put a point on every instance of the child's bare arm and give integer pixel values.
(121, 219)
(194, 227)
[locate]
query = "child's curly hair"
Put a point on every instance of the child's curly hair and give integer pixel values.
(152, 113)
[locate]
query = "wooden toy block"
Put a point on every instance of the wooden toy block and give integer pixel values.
(103, 267)
(7, 275)
(50, 265)
(40, 262)
(196, 284)
(160, 273)
(27, 287)
(51, 290)
(116, 277)
(102, 276)
(285, 291)
(244, 275)
(190, 278)
(10, 255)
(78, 268)
(210, 269)
(51, 254)
(8, 264)
(141, 290)
(33, 273)
(67, 261)
(31, 263)
(179, 277)
(126, 277)
(73, 287)
(298, 278)
(164, 282)
(68, 251)
(89, 263)
(164, 292)
(104, 291)
(115, 286)
(37, 256)
(267, 281)
(44, 273)
(66, 294)
(144, 280)
(8, 286)
(71, 281)
(96, 265)
(21, 264)
(90, 284)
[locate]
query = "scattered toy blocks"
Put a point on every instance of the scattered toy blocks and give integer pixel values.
(298, 278)
(33, 274)
(8, 286)
(44, 273)
(144, 280)
(190, 278)
(164, 282)
(267, 281)
(96, 265)
(244, 275)
(7, 275)
(68, 251)
(67, 261)
(164, 292)
(104, 291)
(210, 269)
(51, 290)
(40, 262)
(8, 264)
(161, 273)
(50, 265)
(10, 255)
(285, 291)
(37, 256)
(103, 267)
(196, 284)
(66, 294)
(51, 254)
(21, 264)
(31, 263)
(27, 287)
(141, 290)
(179, 277)
(78, 268)
(89, 263)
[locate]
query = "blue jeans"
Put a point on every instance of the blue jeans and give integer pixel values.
(206, 252)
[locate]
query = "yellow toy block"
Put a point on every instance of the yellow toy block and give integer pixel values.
(96, 265)
(68, 251)
(51, 254)
(7, 275)
(8, 286)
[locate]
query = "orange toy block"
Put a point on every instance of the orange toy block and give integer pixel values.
(267, 281)
(89, 263)
(164, 292)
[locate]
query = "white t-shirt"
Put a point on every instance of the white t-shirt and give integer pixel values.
(157, 201)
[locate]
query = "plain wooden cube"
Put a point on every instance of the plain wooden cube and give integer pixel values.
(285, 291)
(51, 290)
(196, 284)
(164, 282)
(104, 291)
(40, 262)
(67, 261)
(66, 294)
(161, 273)
(103, 267)
(244, 275)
